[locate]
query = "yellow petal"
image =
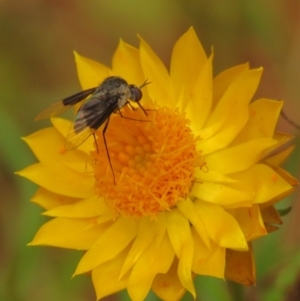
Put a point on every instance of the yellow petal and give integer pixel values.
(48, 199)
(91, 73)
(47, 145)
(168, 286)
(289, 179)
(282, 141)
(263, 117)
(279, 158)
(224, 79)
(127, 58)
(206, 175)
(60, 180)
(210, 262)
(188, 59)
(235, 100)
(222, 228)
(181, 239)
(240, 266)
(148, 232)
(187, 208)
(78, 234)
(286, 176)
(155, 259)
(223, 194)
(105, 277)
(111, 243)
(90, 207)
(250, 221)
(239, 157)
(160, 90)
(199, 98)
(232, 111)
(264, 180)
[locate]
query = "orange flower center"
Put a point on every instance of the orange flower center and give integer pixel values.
(153, 160)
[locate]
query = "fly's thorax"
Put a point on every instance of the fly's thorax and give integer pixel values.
(122, 100)
(114, 85)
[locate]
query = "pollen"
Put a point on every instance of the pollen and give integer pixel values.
(153, 159)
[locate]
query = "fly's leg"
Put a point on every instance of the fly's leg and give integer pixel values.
(132, 108)
(107, 152)
(96, 143)
(119, 111)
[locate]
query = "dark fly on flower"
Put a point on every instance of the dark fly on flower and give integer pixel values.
(109, 97)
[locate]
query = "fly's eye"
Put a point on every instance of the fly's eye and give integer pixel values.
(136, 93)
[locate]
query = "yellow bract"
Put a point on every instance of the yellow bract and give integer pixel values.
(196, 182)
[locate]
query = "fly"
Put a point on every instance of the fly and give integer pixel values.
(109, 97)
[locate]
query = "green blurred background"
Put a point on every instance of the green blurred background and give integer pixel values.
(37, 68)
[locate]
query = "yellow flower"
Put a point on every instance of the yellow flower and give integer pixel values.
(195, 183)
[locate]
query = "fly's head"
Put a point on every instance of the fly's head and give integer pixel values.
(135, 93)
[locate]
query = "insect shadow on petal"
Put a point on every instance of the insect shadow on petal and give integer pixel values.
(109, 97)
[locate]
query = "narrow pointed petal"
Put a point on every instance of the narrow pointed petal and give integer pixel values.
(187, 208)
(168, 286)
(105, 277)
(205, 175)
(239, 157)
(161, 90)
(144, 237)
(48, 200)
(223, 194)
(188, 58)
(210, 262)
(199, 100)
(90, 73)
(250, 221)
(225, 231)
(59, 179)
(47, 145)
(111, 243)
(149, 265)
(289, 179)
(90, 207)
(78, 234)
(180, 235)
(286, 176)
(279, 158)
(224, 79)
(237, 96)
(282, 141)
(264, 114)
(127, 58)
(264, 180)
(240, 266)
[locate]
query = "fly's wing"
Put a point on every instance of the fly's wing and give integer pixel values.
(89, 118)
(63, 105)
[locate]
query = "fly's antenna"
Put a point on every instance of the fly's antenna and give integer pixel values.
(145, 84)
